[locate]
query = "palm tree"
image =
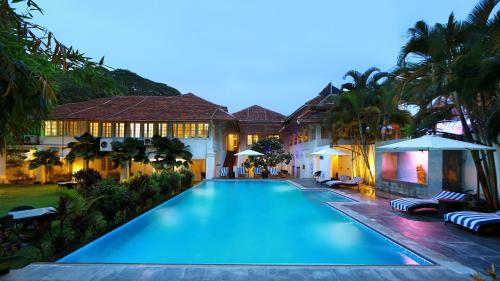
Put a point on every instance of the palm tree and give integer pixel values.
(123, 153)
(86, 147)
(458, 63)
(170, 153)
(46, 158)
(360, 111)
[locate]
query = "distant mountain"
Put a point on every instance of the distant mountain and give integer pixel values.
(92, 83)
(135, 85)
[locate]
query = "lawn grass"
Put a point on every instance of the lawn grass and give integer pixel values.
(36, 195)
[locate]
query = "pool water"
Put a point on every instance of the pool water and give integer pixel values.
(246, 222)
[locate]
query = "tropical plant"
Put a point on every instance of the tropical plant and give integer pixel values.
(142, 192)
(31, 59)
(125, 152)
(47, 158)
(170, 153)
(452, 71)
(273, 151)
(167, 182)
(113, 200)
(86, 178)
(86, 147)
(186, 178)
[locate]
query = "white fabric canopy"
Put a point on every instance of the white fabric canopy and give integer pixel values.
(433, 142)
(329, 151)
(248, 152)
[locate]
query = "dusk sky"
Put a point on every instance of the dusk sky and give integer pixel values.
(277, 54)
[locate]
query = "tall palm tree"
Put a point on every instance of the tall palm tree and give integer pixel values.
(46, 158)
(123, 153)
(86, 147)
(170, 153)
(457, 62)
(361, 109)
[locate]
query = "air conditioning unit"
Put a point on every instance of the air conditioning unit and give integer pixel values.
(31, 139)
(148, 141)
(105, 144)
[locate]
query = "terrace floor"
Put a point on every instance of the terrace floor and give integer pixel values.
(457, 254)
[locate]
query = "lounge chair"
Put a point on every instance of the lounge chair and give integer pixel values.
(344, 180)
(224, 171)
(317, 175)
(475, 221)
(257, 171)
(273, 171)
(411, 204)
(242, 172)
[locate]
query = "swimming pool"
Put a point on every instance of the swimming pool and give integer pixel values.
(246, 222)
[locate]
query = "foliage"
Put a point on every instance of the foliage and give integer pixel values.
(273, 151)
(113, 200)
(31, 59)
(166, 182)
(141, 190)
(86, 178)
(16, 157)
(132, 84)
(170, 153)
(186, 178)
(130, 149)
(86, 147)
(451, 71)
(47, 158)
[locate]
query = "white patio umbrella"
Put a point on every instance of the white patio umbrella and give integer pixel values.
(433, 142)
(249, 152)
(329, 151)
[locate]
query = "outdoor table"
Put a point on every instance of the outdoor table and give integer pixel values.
(449, 205)
(32, 214)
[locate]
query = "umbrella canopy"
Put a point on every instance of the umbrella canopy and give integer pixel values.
(329, 151)
(249, 152)
(433, 142)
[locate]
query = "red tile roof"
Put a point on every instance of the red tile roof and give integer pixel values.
(188, 107)
(257, 119)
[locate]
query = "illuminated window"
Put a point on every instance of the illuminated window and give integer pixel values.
(305, 135)
(107, 131)
(252, 139)
(71, 128)
(148, 130)
(50, 128)
(120, 130)
(203, 130)
(178, 130)
(94, 129)
(135, 130)
(273, 137)
(187, 130)
(163, 129)
(192, 134)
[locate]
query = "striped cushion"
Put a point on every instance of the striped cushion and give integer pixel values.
(257, 170)
(450, 195)
(223, 171)
(472, 220)
(273, 171)
(333, 182)
(241, 171)
(404, 204)
(344, 178)
(355, 180)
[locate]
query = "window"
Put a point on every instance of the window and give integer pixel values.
(50, 128)
(135, 130)
(273, 137)
(192, 133)
(305, 135)
(94, 129)
(313, 133)
(107, 131)
(148, 130)
(178, 130)
(71, 128)
(187, 129)
(203, 130)
(163, 129)
(252, 139)
(120, 130)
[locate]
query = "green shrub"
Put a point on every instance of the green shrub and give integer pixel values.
(186, 178)
(113, 199)
(166, 182)
(141, 191)
(86, 178)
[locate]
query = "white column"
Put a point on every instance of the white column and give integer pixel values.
(210, 154)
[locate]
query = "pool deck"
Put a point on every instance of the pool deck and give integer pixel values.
(457, 254)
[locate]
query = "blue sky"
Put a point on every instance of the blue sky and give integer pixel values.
(238, 53)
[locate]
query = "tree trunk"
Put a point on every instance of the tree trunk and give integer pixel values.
(124, 172)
